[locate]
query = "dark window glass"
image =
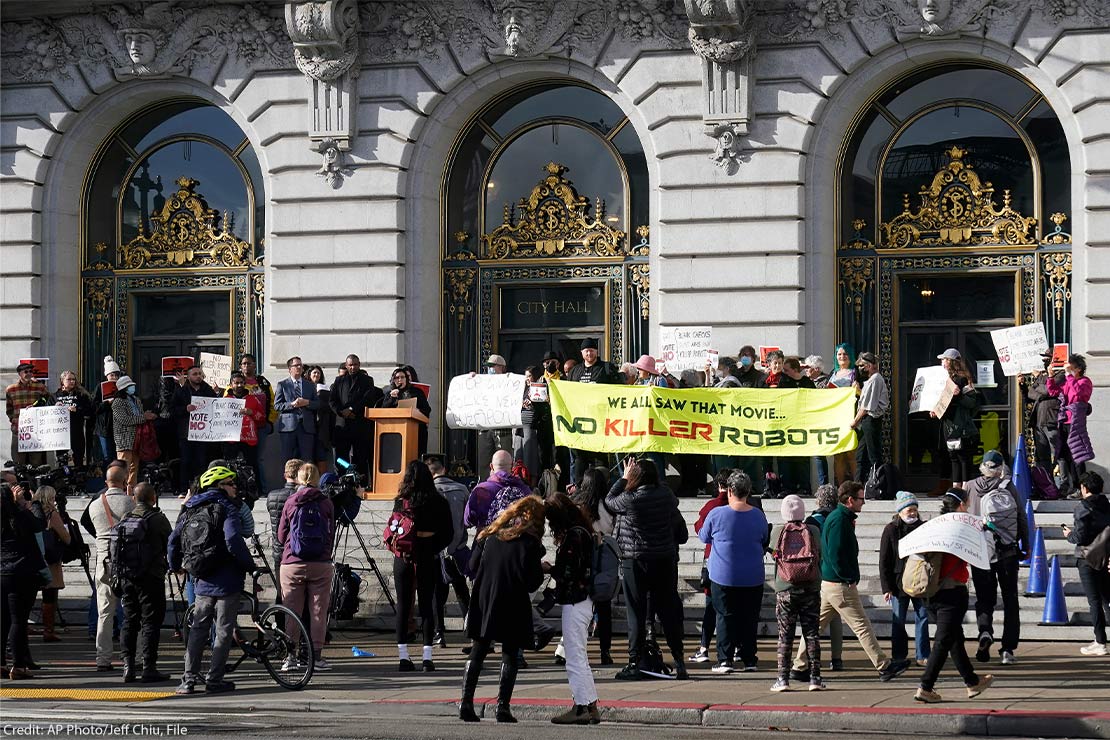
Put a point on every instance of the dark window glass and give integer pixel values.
(973, 83)
(859, 182)
(189, 117)
(568, 101)
(1047, 134)
(254, 171)
(221, 184)
(464, 183)
(628, 144)
(994, 149)
(100, 208)
(190, 314)
(981, 297)
(590, 165)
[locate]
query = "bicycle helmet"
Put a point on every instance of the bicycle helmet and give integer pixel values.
(215, 476)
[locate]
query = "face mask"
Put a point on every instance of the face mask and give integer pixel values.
(746, 361)
(551, 366)
(130, 390)
(862, 374)
(491, 371)
(911, 519)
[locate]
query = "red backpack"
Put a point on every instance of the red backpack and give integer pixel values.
(399, 534)
(795, 556)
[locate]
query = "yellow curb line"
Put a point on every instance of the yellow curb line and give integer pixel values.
(83, 694)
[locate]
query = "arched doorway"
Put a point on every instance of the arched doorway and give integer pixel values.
(953, 191)
(545, 238)
(171, 243)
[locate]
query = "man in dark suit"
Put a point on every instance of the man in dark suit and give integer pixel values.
(351, 395)
(296, 402)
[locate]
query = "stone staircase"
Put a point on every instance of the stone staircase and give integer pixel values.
(375, 611)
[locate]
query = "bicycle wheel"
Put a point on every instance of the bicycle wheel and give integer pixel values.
(278, 649)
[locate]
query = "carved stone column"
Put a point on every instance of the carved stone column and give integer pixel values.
(722, 34)
(325, 47)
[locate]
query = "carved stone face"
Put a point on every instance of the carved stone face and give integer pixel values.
(934, 11)
(331, 154)
(513, 21)
(140, 47)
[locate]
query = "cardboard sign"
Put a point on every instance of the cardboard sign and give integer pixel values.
(712, 359)
(216, 419)
(958, 534)
(217, 369)
(43, 428)
(172, 365)
(932, 390)
(485, 401)
(42, 366)
(1060, 354)
(685, 347)
(984, 374)
(108, 389)
(764, 351)
(537, 393)
(1019, 348)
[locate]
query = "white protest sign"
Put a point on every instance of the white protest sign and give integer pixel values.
(217, 369)
(686, 347)
(537, 393)
(932, 390)
(1019, 348)
(43, 428)
(955, 534)
(216, 419)
(485, 401)
(713, 358)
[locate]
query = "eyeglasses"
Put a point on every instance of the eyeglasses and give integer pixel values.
(297, 365)
(859, 498)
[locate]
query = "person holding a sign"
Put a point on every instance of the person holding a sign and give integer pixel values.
(102, 410)
(1073, 446)
(127, 415)
(72, 396)
(195, 456)
(24, 393)
(254, 415)
(647, 375)
(958, 421)
(1042, 417)
(947, 608)
(874, 400)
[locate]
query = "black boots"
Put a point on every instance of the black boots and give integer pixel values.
(470, 684)
(129, 669)
(505, 689)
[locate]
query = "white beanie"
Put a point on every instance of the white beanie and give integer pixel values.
(110, 365)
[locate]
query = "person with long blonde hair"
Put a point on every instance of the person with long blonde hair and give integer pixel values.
(507, 563)
(55, 536)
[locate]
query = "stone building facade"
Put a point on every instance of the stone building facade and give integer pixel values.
(778, 170)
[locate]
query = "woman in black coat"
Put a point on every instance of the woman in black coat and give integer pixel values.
(22, 572)
(507, 563)
(418, 575)
(400, 389)
(907, 518)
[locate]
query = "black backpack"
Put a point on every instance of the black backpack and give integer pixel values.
(76, 549)
(130, 549)
(203, 548)
(344, 592)
(884, 482)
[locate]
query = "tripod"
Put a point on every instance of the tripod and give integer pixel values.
(348, 527)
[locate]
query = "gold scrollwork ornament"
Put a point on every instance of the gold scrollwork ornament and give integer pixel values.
(460, 283)
(1057, 275)
(857, 274)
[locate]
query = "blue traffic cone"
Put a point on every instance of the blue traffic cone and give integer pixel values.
(1029, 518)
(1055, 609)
(1038, 571)
(1022, 477)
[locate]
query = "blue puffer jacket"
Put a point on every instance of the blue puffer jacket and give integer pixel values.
(228, 578)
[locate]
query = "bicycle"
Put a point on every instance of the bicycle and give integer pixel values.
(273, 641)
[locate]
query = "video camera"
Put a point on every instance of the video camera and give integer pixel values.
(246, 483)
(161, 476)
(345, 492)
(66, 479)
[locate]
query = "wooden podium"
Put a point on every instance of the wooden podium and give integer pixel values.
(396, 444)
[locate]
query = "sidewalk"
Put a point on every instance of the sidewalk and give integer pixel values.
(1052, 691)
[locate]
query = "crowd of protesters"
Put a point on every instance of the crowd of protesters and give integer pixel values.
(488, 542)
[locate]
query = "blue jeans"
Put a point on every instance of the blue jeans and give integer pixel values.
(899, 643)
(822, 470)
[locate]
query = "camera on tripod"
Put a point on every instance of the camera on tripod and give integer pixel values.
(160, 476)
(344, 493)
(246, 483)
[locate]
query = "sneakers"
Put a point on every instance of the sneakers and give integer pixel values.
(922, 662)
(926, 696)
(983, 654)
(817, 684)
(291, 664)
(799, 676)
(218, 687)
(321, 665)
(630, 672)
(893, 670)
(1095, 648)
(750, 668)
(984, 684)
(836, 664)
(722, 667)
(780, 685)
(1008, 657)
(701, 655)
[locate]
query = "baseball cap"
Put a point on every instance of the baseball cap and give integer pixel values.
(496, 360)
(949, 354)
(993, 458)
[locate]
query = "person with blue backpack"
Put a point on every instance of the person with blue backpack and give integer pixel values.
(574, 574)
(306, 533)
(207, 543)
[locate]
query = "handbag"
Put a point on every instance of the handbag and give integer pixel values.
(146, 442)
(955, 444)
(1097, 554)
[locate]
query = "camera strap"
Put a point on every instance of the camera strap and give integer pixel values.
(107, 510)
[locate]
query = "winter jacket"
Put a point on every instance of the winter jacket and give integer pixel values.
(275, 504)
(492, 496)
(785, 381)
(958, 421)
(1079, 442)
(158, 532)
(839, 547)
(891, 565)
(20, 555)
(751, 378)
(102, 415)
(1005, 518)
(981, 486)
(302, 497)
(433, 515)
(227, 579)
(506, 574)
(1091, 516)
(127, 415)
(649, 524)
(1073, 390)
(182, 399)
(248, 433)
(80, 399)
(354, 393)
(1045, 407)
(573, 568)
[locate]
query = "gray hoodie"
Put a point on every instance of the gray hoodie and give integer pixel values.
(997, 501)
